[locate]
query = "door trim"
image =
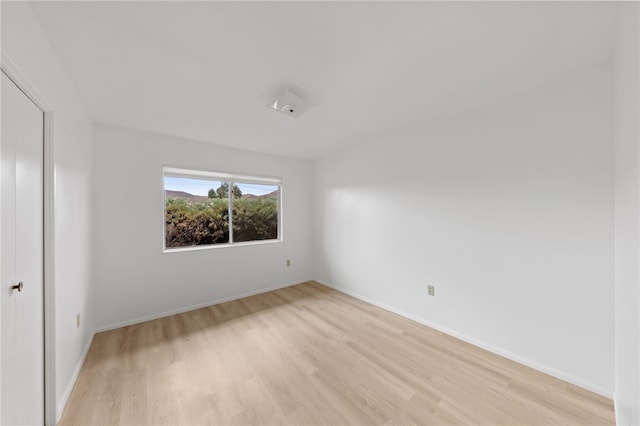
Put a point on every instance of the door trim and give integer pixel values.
(12, 71)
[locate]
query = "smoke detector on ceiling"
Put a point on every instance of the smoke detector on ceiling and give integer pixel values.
(290, 104)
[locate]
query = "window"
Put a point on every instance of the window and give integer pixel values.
(208, 208)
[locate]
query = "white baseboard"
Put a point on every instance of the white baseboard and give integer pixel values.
(146, 318)
(622, 416)
(513, 357)
(62, 403)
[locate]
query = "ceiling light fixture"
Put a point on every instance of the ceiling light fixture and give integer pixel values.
(290, 104)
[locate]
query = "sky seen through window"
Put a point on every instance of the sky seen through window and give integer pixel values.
(202, 187)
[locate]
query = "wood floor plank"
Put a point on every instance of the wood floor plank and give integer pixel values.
(309, 355)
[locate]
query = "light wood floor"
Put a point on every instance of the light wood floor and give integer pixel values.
(309, 355)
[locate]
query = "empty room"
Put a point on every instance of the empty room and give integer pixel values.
(320, 213)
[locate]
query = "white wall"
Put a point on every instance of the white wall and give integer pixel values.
(134, 279)
(508, 211)
(27, 47)
(627, 216)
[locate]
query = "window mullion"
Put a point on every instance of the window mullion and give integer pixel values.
(230, 195)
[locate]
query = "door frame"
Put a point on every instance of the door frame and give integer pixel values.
(13, 72)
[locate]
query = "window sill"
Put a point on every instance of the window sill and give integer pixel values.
(219, 246)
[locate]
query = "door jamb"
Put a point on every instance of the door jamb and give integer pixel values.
(11, 70)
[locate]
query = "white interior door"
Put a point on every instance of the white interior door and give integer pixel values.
(22, 258)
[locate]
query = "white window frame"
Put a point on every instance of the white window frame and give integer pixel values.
(231, 179)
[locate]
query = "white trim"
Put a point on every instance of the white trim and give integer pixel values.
(222, 176)
(20, 80)
(491, 348)
(64, 398)
(221, 245)
(49, 270)
(616, 410)
(280, 210)
(14, 73)
(196, 306)
(0, 237)
(230, 197)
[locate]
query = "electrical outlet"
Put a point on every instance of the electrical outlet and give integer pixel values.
(78, 321)
(431, 290)
(288, 262)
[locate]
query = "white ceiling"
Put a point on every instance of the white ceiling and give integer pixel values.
(205, 71)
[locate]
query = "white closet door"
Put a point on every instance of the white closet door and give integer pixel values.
(22, 258)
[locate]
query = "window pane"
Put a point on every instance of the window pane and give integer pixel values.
(255, 212)
(196, 212)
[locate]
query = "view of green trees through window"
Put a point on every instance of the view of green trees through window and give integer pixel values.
(197, 212)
